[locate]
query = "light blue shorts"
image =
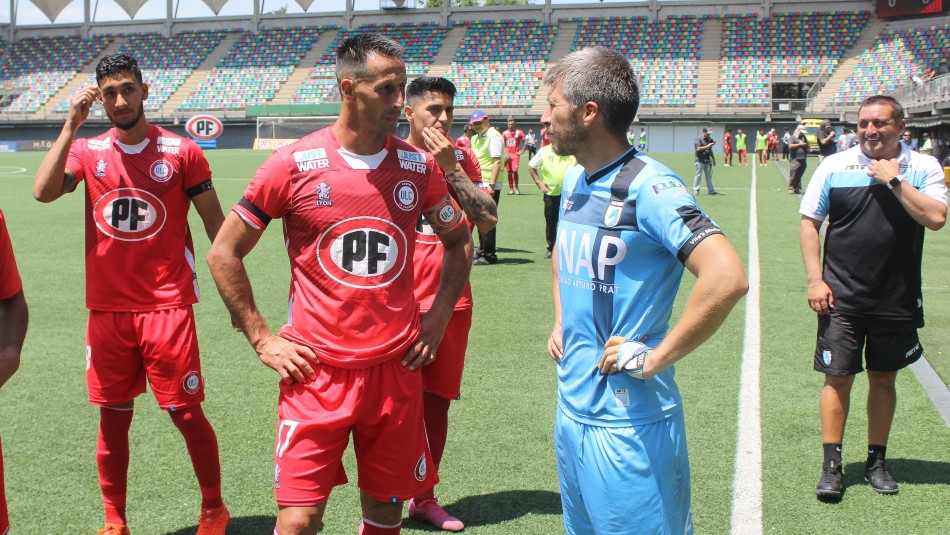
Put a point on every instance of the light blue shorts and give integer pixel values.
(623, 480)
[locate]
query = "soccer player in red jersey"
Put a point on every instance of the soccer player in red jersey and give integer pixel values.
(350, 196)
(514, 144)
(465, 140)
(544, 137)
(430, 111)
(13, 320)
(140, 181)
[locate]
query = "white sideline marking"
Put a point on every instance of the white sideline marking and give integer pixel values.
(747, 481)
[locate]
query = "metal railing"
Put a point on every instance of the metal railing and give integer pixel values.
(933, 91)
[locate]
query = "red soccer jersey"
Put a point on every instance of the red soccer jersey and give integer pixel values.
(513, 140)
(349, 223)
(544, 137)
(463, 142)
(10, 282)
(428, 256)
(139, 254)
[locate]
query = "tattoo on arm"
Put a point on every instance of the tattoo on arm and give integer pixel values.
(478, 206)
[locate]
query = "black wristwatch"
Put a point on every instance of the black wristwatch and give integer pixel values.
(894, 182)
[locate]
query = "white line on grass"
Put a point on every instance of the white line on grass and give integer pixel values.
(933, 385)
(747, 481)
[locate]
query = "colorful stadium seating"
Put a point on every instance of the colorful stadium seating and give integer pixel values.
(785, 44)
(664, 54)
(500, 63)
(893, 58)
(41, 66)
(165, 62)
(421, 41)
(253, 70)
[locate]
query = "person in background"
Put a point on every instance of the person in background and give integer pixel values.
(878, 199)
(140, 181)
(14, 316)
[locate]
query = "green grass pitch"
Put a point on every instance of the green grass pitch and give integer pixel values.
(498, 474)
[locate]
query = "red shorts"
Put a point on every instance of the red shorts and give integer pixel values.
(123, 349)
(727, 151)
(444, 376)
(513, 161)
(4, 519)
(382, 407)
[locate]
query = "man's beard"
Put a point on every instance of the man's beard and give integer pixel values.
(128, 125)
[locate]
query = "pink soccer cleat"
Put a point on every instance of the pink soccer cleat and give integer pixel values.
(430, 512)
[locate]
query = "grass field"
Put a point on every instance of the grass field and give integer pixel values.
(498, 474)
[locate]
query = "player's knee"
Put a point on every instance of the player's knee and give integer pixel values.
(882, 379)
(298, 521)
(186, 416)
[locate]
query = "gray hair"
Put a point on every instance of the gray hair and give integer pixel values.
(602, 75)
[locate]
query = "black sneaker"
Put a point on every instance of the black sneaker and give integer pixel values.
(879, 478)
(830, 487)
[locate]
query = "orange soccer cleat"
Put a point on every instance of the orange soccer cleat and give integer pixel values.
(214, 521)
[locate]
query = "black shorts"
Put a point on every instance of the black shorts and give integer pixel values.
(887, 345)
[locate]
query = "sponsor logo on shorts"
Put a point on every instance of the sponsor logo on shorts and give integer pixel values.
(912, 351)
(191, 382)
(160, 171)
(623, 397)
(826, 357)
(406, 195)
(420, 471)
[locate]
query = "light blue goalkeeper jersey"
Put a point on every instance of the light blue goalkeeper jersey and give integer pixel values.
(623, 235)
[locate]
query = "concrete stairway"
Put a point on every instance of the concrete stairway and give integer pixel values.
(443, 60)
(302, 70)
(561, 47)
(822, 102)
(79, 79)
(708, 76)
(199, 74)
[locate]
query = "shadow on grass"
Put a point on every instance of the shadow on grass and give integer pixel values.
(498, 507)
(912, 471)
(245, 525)
(483, 510)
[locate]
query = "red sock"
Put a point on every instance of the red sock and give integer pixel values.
(368, 527)
(203, 449)
(515, 179)
(437, 430)
(112, 459)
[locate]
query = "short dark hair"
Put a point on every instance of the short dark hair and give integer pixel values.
(429, 84)
(602, 75)
(877, 100)
(353, 52)
(118, 63)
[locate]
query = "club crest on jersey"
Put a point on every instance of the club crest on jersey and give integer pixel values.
(129, 214)
(160, 171)
(406, 195)
(612, 215)
(100, 168)
(826, 357)
(420, 471)
(363, 252)
(412, 161)
(191, 382)
(323, 195)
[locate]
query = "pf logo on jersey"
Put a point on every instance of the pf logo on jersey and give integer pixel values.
(129, 214)
(363, 252)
